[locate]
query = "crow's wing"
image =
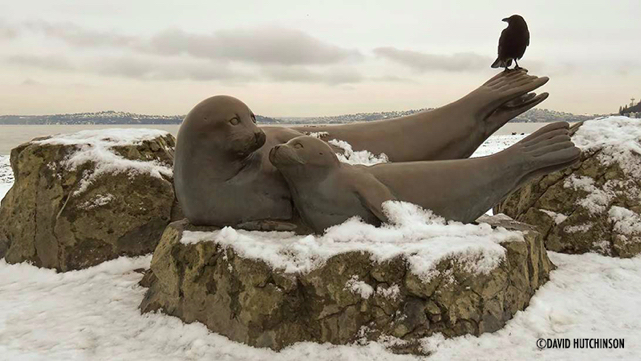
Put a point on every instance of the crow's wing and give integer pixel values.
(502, 41)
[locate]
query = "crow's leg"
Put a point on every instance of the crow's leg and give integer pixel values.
(517, 67)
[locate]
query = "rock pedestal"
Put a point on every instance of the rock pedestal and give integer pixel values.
(88, 197)
(595, 206)
(348, 298)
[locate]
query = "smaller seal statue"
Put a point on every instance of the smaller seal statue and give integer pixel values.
(327, 192)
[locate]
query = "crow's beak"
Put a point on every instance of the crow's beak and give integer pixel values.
(506, 20)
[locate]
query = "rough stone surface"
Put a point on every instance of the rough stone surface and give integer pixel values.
(71, 216)
(595, 206)
(348, 299)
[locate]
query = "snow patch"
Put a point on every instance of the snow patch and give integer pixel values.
(625, 221)
(361, 157)
(4, 189)
(359, 287)
(596, 201)
(391, 293)
(579, 228)
(98, 201)
(618, 140)
(557, 217)
(424, 239)
(495, 144)
(318, 135)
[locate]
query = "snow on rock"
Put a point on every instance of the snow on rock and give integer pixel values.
(98, 147)
(617, 140)
(558, 217)
(418, 234)
(595, 194)
(412, 278)
(80, 199)
(359, 287)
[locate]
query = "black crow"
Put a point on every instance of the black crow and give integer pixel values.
(514, 39)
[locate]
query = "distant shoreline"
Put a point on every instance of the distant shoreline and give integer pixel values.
(123, 118)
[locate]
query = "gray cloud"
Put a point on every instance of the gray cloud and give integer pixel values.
(333, 76)
(260, 45)
(58, 63)
(78, 36)
(423, 62)
(266, 45)
(142, 68)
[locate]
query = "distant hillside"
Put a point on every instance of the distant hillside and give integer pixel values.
(107, 117)
(112, 117)
(531, 116)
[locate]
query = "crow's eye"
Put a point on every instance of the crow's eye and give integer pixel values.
(298, 146)
(234, 121)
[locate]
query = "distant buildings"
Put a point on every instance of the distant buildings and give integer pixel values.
(632, 110)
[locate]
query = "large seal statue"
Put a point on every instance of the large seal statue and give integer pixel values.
(327, 192)
(223, 175)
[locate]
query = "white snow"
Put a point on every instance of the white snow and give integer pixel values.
(557, 217)
(98, 201)
(4, 188)
(618, 138)
(92, 315)
(361, 157)
(390, 292)
(579, 228)
(496, 143)
(625, 221)
(417, 234)
(318, 135)
(95, 146)
(596, 201)
(359, 287)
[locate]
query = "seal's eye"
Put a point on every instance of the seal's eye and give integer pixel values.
(254, 118)
(298, 146)
(234, 121)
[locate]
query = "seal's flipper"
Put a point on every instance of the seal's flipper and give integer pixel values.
(372, 194)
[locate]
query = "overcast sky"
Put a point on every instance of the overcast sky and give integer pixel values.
(298, 58)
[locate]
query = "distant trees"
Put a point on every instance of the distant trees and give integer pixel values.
(632, 108)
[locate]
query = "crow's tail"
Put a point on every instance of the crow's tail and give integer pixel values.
(502, 63)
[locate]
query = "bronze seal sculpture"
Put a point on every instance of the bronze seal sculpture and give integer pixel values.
(222, 172)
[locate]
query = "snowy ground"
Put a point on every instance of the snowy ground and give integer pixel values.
(92, 315)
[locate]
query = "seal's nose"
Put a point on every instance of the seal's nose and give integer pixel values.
(272, 153)
(260, 138)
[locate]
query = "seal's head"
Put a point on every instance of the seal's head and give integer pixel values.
(224, 124)
(303, 154)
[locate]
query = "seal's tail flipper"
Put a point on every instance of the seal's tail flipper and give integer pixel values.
(548, 149)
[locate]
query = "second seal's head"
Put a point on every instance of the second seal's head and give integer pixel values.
(303, 153)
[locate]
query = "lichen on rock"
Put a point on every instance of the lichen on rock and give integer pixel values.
(354, 284)
(84, 198)
(594, 206)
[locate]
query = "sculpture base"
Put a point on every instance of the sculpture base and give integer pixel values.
(237, 289)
